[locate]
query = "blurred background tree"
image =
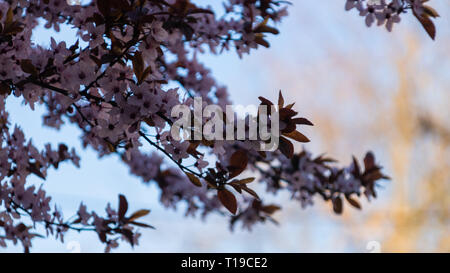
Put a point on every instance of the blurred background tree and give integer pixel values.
(386, 92)
(363, 89)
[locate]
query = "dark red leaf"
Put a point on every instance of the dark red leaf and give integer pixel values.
(296, 135)
(270, 209)
(357, 170)
(142, 225)
(194, 179)
(250, 191)
(228, 200)
(104, 7)
(302, 121)
(238, 163)
(369, 161)
(129, 235)
(337, 205)
(353, 202)
(123, 206)
(427, 24)
(138, 214)
(265, 101)
(286, 147)
(28, 67)
(280, 100)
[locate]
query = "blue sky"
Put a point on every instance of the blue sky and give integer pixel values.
(99, 181)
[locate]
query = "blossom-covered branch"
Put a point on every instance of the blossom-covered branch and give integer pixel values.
(388, 12)
(113, 84)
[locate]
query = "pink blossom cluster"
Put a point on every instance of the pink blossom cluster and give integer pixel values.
(386, 12)
(305, 177)
(114, 84)
(23, 203)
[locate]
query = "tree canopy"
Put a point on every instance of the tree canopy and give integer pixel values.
(114, 85)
